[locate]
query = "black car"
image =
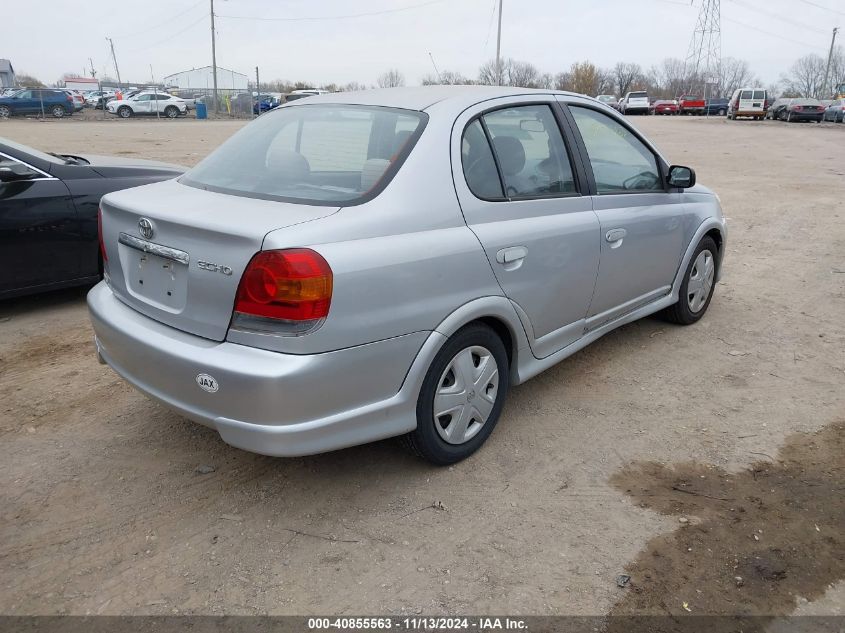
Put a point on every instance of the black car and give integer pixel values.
(718, 107)
(48, 214)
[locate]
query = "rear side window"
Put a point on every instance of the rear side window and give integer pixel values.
(478, 163)
(759, 94)
(530, 151)
(314, 154)
(621, 163)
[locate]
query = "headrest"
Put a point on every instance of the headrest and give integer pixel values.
(510, 153)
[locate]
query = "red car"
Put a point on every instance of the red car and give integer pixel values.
(691, 104)
(664, 106)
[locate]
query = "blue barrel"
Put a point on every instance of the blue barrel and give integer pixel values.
(202, 112)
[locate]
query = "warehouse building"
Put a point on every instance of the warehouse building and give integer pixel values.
(202, 79)
(7, 74)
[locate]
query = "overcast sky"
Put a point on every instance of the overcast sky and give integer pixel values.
(51, 37)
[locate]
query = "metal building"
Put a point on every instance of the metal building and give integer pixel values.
(202, 79)
(7, 74)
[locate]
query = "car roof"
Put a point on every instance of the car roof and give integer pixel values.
(423, 97)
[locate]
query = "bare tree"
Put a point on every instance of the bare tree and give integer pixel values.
(523, 74)
(670, 78)
(806, 76)
(446, 78)
(492, 73)
(735, 73)
(391, 79)
(510, 72)
(28, 81)
(627, 75)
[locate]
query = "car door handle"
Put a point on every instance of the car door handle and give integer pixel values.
(511, 254)
(615, 235)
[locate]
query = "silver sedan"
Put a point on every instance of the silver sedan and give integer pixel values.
(357, 266)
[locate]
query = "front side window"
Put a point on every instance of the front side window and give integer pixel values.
(530, 151)
(317, 154)
(620, 161)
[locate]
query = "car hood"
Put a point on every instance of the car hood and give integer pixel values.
(96, 161)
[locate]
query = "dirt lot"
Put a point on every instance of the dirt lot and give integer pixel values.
(655, 453)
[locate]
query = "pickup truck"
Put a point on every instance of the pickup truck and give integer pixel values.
(691, 104)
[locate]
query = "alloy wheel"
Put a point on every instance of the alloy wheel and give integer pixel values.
(701, 280)
(466, 394)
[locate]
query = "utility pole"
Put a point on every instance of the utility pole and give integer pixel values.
(213, 57)
(257, 90)
(439, 79)
(114, 59)
(829, 58)
(499, 48)
(93, 72)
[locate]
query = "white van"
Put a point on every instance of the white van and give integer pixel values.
(634, 102)
(750, 102)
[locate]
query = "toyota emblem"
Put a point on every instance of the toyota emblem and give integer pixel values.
(145, 227)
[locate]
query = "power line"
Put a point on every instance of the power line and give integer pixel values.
(786, 39)
(813, 4)
(776, 16)
(331, 17)
(160, 24)
(147, 47)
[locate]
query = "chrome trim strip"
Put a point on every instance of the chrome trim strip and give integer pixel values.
(156, 249)
(23, 162)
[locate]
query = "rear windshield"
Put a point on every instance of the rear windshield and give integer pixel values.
(639, 95)
(759, 94)
(313, 154)
(746, 94)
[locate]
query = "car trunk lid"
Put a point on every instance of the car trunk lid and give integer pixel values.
(176, 253)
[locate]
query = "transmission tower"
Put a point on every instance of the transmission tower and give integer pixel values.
(704, 59)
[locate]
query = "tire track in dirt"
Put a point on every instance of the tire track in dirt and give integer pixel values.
(748, 543)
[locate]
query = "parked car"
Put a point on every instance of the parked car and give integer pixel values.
(691, 104)
(328, 243)
(78, 100)
(802, 110)
(609, 100)
(97, 99)
(48, 214)
(717, 107)
(263, 103)
(747, 102)
(52, 102)
(634, 103)
(664, 106)
(148, 103)
(835, 112)
(774, 109)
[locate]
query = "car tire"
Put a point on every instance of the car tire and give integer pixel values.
(5, 112)
(171, 112)
(124, 112)
(722, 112)
(441, 439)
(700, 275)
(58, 111)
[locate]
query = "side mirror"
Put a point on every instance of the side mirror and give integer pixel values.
(14, 172)
(680, 176)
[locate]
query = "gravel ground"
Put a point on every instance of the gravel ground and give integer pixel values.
(114, 505)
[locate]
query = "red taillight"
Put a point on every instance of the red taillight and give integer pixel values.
(291, 285)
(100, 235)
(797, 108)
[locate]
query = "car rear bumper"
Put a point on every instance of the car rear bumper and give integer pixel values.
(267, 402)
